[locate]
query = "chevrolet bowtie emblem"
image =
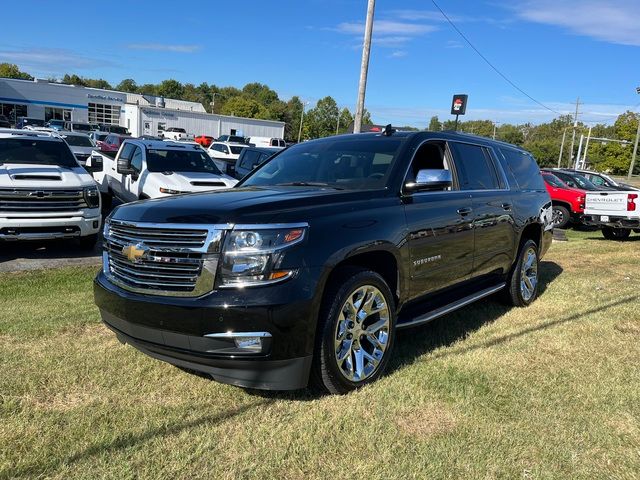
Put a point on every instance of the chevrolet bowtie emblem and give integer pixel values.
(135, 253)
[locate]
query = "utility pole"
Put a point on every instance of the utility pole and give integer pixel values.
(364, 67)
(579, 152)
(573, 137)
(564, 134)
(495, 124)
(338, 124)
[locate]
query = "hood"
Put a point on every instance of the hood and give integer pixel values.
(190, 181)
(247, 205)
(15, 175)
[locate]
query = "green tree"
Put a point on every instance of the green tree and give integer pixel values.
(321, 121)
(10, 70)
(73, 80)
(244, 107)
(127, 85)
(97, 83)
(435, 125)
(170, 89)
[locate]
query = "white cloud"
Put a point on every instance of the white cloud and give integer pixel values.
(613, 21)
(398, 54)
(51, 61)
(454, 44)
(386, 27)
(161, 47)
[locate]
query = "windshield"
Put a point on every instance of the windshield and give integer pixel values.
(36, 152)
(235, 139)
(180, 161)
(56, 122)
(78, 141)
(553, 180)
(36, 122)
(83, 127)
(576, 181)
(354, 164)
(235, 150)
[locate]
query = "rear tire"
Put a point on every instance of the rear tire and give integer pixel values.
(611, 233)
(522, 285)
(561, 216)
(356, 331)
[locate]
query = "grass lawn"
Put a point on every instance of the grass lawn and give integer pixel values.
(551, 391)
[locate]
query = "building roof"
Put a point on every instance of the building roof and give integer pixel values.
(170, 103)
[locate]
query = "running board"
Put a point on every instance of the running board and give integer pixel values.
(439, 312)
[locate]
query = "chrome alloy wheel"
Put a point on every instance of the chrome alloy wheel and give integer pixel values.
(529, 274)
(362, 333)
(557, 217)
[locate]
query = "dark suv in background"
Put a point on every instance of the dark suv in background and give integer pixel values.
(311, 265)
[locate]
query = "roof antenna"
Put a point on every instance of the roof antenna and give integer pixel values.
(388, 131)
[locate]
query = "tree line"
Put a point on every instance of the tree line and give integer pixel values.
(256, 100)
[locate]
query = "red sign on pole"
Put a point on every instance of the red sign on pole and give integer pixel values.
(459, 104)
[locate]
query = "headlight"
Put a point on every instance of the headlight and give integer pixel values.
(92, 197)
(253, 256)
(168, 191)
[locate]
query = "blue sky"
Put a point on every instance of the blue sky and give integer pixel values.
(555, 50)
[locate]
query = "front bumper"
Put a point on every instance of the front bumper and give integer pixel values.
(49, 228)
(184, 331)
(611, 221)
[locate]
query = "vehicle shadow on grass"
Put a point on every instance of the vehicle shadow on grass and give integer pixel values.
(458, 325)
(126, 441)
(410, 345)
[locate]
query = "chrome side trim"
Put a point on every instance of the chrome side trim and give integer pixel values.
(269, 226)
(238, 334)
(463, 302)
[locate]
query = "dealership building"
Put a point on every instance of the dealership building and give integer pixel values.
(141, 114)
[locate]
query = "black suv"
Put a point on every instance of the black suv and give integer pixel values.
(309, 266)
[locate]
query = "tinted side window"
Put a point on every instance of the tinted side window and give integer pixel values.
(478, 172)
(524, 169)
(127, 151)
(136, 159)
(249, 159)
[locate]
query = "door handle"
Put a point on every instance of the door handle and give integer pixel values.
(464, 211)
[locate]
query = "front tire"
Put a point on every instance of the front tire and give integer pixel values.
(522, 285)
(561, 216)
(611, 233)
(356, 331)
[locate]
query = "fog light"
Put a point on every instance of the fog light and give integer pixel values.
(250, 344)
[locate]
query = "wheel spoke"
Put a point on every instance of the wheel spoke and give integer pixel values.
(374, 327)
(344, 351)
(359, 370)
(375, 341)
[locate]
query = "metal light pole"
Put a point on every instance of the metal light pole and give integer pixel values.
(586, 147)
(364, 67)
(495, 124)
(635, 151)
(564, 134)
(338, 124)
(304, 104)
(573, 136)
(635, 146)
(579, 152)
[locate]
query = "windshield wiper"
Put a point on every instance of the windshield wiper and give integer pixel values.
(308, 184)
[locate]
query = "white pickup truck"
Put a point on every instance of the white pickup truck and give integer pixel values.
(154, 168)
(177, 133)
(617, 213)
(44, 192)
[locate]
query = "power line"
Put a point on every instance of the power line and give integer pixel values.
(491, 64)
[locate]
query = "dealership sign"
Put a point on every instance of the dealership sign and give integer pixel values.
(459, 104)
(105, 97)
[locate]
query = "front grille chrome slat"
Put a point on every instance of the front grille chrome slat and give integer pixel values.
(171, 260)
(23, 200)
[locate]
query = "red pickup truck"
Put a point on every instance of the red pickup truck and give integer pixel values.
(568, 202)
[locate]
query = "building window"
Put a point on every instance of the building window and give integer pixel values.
(107, 114)
(13, 111)
(51, 113)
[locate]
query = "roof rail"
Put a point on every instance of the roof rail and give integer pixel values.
(28, 133)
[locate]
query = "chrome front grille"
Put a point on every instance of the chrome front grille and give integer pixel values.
(29, 201)
(162, 259)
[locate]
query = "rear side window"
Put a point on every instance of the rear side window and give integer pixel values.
(524, 168)
(127, 150)
(249, 159)
(477, 170)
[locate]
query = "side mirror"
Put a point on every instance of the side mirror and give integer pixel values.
(124, 166)
(431, 180)
(94, 163)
